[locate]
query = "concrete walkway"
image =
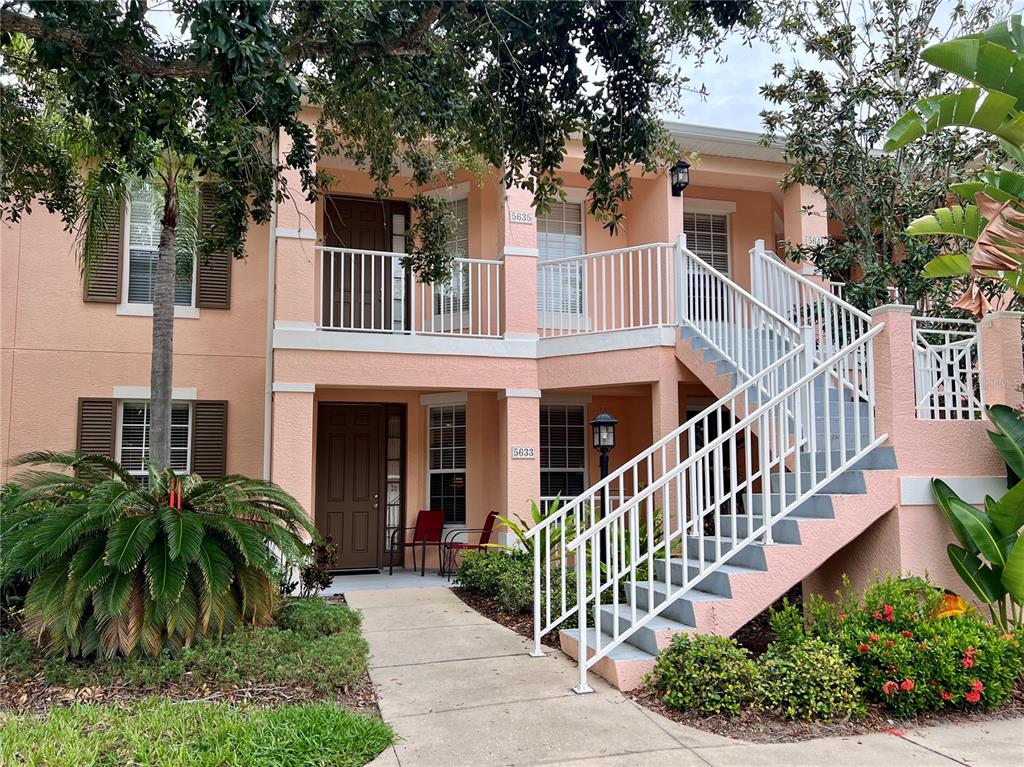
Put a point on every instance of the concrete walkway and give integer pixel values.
(461, 690)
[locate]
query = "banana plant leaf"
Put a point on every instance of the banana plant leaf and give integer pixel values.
(1008, 33)
(991, 112)
(956, 221)
(982, 62)
(946, 499)
(948, 265)
(1000, 185)
(986, 585)
(1013, 572)
(982, 532)
(1007, 514)
(1009, 436)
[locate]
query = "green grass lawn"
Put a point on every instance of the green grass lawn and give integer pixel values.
(306, 673)
(154, 732)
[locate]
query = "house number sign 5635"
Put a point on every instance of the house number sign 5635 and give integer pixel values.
(521, 216)
(521, 451)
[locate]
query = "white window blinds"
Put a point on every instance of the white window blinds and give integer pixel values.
(143, 248)
(560, 235)
(707, 236)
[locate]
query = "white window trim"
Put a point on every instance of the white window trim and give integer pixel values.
(561, 400)
(119, 425)
(430, 472)
(728, 235)
(576, 194)
(132, 309)
(444, 398)
(452, 193)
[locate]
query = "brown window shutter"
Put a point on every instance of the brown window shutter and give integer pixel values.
(104, 283)
(213, 283)
(96, 422)
(210, 438)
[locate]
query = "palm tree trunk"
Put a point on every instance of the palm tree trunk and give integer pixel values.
(162, 370)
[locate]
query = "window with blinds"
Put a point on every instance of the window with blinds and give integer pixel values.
(446, 441)
(133, 445)
(560, 235)
(707, 236)
(454, 296)
(563, 449)
(143, 248)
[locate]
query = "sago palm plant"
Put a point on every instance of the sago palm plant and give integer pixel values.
(118, 567)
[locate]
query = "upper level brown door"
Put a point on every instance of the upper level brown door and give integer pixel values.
(350, 482)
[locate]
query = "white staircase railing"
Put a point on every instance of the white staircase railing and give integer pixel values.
(803, 407)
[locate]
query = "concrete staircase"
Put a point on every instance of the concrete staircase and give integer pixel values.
(756, 573)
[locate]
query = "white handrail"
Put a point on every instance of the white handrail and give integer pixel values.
(947, 369)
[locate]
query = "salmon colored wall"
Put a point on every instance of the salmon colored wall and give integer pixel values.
(57, 347)
(751, 221)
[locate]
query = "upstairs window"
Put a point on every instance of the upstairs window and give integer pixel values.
(560, 235)
(144, 208)
(707, 236)
(454, 296)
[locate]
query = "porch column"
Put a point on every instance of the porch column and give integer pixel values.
(517, 244)
(296, 295)
(1002, 362)
(519, 427)
(895, 400)
(665, 396)
(804, 218)
(293, 448)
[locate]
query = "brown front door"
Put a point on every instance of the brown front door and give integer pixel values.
(349, 482)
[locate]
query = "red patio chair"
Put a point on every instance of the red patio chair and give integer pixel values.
(452, 547)
(427, 532)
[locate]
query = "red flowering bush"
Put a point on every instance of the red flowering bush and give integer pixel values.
(909, 659)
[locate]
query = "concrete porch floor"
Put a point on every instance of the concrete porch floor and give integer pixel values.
(461, 690)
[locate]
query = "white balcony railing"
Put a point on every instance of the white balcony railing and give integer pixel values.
(612, 290)
(947, 369)
(369, 291)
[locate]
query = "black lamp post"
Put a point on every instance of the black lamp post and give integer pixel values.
(680, 177)
(604, 441)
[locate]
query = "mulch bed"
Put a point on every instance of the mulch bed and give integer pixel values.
(35, 695)
(760, 726)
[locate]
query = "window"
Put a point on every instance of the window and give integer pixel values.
(393, 474)
(563, 449)
(560, 235)
(143, 247)
(707, 236)
(454, 296)
(446, 440)
(133, 445)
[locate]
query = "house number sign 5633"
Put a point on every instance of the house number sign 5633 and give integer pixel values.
(521, 451)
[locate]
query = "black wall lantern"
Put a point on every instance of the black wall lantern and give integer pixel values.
(680, 177)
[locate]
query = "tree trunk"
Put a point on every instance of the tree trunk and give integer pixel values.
(162, 370)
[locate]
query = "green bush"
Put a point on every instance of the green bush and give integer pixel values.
(809, 680)
(909, 659)
(119, 568)
(507, 578)
(165, 734)
(312, 617)
(711, 674)
(321, 649)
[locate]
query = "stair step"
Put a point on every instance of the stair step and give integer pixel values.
(716, 583)
(848, 483)
(818, 506)
(624, 652)
(882, 457)
(645, 637)
(680, 610)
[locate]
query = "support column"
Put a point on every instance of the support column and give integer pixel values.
(895, 403)
(665, 396)
(519, 427)
(1002, 360)
(294, 450)
(297, 294)
(517, 245)
(804, 218)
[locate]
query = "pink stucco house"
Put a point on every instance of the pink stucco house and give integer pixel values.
(318, 362)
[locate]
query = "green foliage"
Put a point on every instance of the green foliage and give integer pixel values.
(165, 734)
(527, 533)
(507, 578)
(114, 570)
(711, 674)
(860, 71)
(991, 104)
(809, 679)
(910, 660)
(990, 555)
(315, 646)
(787, 624)
(315, 575)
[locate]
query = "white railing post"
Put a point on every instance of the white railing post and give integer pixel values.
(581, 612)
(537, 651)
(677, 269)
(756, 289)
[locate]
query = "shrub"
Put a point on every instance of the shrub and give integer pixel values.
(315, 574)
(711, 674)
(909, 659)
(116, 567)
(314, 618)
(507, 578)
(809, 680)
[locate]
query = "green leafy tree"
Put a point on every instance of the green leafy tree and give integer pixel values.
(992, 227)
(117, 567)
(423, 84)
(860, 71)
